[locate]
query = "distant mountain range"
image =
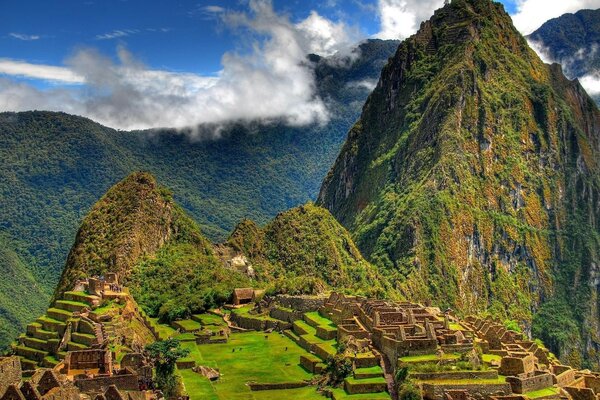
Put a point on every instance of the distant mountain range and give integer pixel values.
(573, 40)
(54, 166)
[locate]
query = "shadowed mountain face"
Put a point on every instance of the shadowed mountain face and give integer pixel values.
(573, 40)
(472, 178)
(55, 166)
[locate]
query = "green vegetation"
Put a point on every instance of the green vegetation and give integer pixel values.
(164, 355)
(305, 250)
(246, 357)
(552, 391)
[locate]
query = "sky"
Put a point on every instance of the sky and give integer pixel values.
(138, 64)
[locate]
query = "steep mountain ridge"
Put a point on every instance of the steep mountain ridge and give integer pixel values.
(472, 178)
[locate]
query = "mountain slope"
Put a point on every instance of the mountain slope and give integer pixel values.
(19, 285)
(472, 177)
(55, 166)
(305, 250)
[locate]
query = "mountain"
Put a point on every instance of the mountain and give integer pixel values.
(138, 231)
(472, 178)
(54, 167)
(573, 40)
(305, 250)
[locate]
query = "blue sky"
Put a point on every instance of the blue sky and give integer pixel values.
(178, 35)
(141, 64)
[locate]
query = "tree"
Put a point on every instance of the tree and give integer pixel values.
(165, 354)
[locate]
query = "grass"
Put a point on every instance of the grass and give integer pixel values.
(428, 357)
(353, 381)
(254, 359)
(164, 331)
(551, 391)
(188, 325)
(488, 358)
(318, 319)
(340, 394)
(210, 319)
(245, 312)
(456, 327)
(376, 370)
(500, 379)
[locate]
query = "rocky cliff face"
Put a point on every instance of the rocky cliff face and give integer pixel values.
(472, 178)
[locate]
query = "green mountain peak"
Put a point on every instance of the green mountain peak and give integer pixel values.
(471, 175)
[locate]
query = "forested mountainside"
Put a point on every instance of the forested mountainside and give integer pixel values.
(54, 167)
(472, 178)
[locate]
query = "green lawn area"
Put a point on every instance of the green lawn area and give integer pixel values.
(369, 371)
(542, 393)
(501, 379)
(428, 357)
(455, 326)
(164, 331)
(318, 319)
(210, 319)
(340, 394)
(254, 359)
(245, 311)
(188, 325)
(488, 358)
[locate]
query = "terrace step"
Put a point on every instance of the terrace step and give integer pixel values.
(83, 338)
(59, 314)
(81, 297)
(44, 335)
(34, 343)
(50, 362)
(70, 306)
(72, 346)
(27, 364)
(52, 325)
(361, 386)
(31, 354)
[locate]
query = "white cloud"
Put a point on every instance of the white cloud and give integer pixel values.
(400, 19)
(271, 80)
(591, 83)
(117, 34)
(24, 36)
(36, 71)
(531, 14)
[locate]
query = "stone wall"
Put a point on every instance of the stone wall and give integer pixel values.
(285, 314)
(364, 387)
(301, 303)
(429, 376)
(101, 383)
(10, 372)
(531, 383)
(433, 391)
(257, 324)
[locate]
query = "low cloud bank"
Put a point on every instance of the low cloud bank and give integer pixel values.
(270, 81)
